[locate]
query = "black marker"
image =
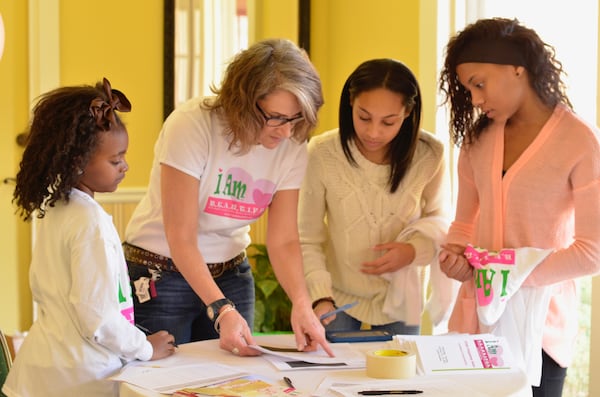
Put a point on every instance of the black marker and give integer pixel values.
(143, 329)
(385, 392)
(288, 382)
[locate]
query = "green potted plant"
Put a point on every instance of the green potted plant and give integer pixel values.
(273, 307)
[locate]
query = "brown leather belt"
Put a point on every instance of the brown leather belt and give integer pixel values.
(147, 258)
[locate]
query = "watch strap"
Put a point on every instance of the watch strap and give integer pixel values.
(214, 308)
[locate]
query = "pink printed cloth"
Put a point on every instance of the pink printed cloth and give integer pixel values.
(498, 275)
(508, 309)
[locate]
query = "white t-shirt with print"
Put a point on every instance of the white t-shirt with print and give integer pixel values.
(235, 189)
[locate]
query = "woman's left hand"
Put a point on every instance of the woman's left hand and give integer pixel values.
(398, 255)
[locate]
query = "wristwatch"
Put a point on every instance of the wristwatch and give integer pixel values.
(212, 310)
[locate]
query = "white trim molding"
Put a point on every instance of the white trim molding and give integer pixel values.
(122, 195)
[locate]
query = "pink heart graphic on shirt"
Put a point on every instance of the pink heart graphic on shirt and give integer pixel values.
(261, 199)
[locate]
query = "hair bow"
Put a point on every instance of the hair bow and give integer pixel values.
(104, 112)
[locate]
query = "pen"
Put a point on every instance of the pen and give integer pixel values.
(143, 329)
(148, 332)
(288, 382)
(384, 392)
(339, 309)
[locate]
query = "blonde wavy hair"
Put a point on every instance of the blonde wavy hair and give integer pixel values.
(255, 73)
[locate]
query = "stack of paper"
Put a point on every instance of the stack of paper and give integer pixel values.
(437, 387)
(170, 379)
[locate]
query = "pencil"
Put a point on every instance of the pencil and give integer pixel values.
(148, 332)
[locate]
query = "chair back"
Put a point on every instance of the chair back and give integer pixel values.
(5, 360)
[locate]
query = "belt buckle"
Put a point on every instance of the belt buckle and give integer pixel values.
(218, 270)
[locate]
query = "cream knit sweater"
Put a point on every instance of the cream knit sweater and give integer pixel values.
(346, 210)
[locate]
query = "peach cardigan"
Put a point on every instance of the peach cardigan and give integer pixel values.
(550, 199)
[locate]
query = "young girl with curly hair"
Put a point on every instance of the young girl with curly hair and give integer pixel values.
(85, 328)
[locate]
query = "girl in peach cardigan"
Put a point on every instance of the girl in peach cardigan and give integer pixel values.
(529, 176)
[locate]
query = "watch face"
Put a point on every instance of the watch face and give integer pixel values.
(211, 313)
(212, 310)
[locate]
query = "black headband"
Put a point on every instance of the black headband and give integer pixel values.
(499, 51)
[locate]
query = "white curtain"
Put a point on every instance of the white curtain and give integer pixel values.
(207, 35)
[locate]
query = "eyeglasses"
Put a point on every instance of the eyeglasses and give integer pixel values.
(278, 121)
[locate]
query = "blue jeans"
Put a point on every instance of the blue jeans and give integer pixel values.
(345, 322)
(177, 309)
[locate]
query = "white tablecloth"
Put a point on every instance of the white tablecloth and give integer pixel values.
(497, 383)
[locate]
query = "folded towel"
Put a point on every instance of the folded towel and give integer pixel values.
(402, 288)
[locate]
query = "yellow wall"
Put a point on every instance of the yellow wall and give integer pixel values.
(344, 33)
(123, 41)
(273, 18)
(124, 44)
(120, 40)
(14, 289)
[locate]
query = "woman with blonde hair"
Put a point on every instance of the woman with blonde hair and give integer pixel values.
(219, 163)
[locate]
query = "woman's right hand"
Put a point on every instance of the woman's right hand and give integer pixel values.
(453, 262)
(163, 344)
(235, 335)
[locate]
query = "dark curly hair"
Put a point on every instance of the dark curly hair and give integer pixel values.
(395, 77)
(543, 68)
(62, 136)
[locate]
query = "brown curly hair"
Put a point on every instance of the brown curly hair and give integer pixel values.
(62, 136)
(255, 73)
(540, 62)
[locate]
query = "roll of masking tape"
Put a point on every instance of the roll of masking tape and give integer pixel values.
(391, 364)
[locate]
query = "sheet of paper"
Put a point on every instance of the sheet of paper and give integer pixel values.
(167, 380)
(430, 388)
(461, 353)
(343, 353)
(287, 359)
(288, 364)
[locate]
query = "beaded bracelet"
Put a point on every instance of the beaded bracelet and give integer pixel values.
(326, 299)
(226, 310)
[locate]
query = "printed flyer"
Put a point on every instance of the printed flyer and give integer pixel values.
(463, 353)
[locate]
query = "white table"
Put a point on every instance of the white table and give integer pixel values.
(501, 384)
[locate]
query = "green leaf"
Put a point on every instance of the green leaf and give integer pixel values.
(272, 305)
(267, 287)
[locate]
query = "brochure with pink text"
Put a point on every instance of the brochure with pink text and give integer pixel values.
(461, 353)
